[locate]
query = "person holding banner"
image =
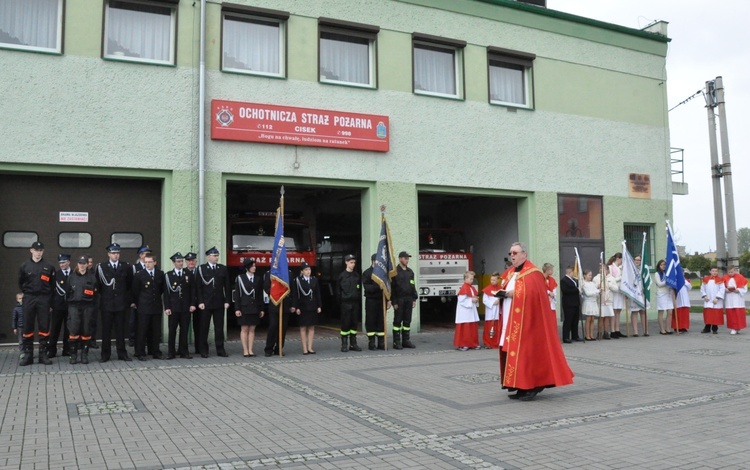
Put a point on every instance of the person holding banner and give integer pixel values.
(531, 356)
(307, 304)
(735, 286)
(590, 308)
(712, 293)
(571, 304)
(636, 310)
(374, 321)
(681, 318)
(272, 337)
(618, 299)
(664, 301)
(608, 289)
(404, 300)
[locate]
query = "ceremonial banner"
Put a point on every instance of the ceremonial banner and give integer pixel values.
(675, 277)
(385, 263)
(631, 284)
(578, 270)
(645, 273)
(279, 263)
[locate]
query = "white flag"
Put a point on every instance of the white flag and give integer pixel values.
(631, 283)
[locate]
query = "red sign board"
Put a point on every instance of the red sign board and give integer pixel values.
(271, 124)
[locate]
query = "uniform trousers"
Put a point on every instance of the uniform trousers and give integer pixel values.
(272, 338)
(58, 324)
(35, 310)
(118, 319)
(350, 315)
(148, 335)
(196, 331)
(571, 317)
(79, 320)
(374, 321)
(402, 315)
(217, 314)
(179, 320)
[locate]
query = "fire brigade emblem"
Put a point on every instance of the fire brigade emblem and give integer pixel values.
(224, 117)
(382, 130)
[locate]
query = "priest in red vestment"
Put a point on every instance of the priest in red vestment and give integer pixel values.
(531, 356)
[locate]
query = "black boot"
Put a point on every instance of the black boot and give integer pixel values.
(406, 342)
(27, 356)
(43, 359)
(371, 343)
(706, 329)
(85, 353)
(353, 343)
(74, 352)
(344, 343)
(397, 339)
(381, 343)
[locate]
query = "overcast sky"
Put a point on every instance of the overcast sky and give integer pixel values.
(710, 38)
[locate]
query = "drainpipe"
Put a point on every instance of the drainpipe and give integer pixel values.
(202, 134)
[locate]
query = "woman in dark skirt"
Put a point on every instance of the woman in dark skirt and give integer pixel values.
(306, 303)
(248, 304)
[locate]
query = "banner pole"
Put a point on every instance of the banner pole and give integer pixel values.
(281, 304)
(385, 323)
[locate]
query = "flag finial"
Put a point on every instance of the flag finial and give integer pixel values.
(282, 190)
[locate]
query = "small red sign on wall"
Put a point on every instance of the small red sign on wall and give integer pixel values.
(271, 124)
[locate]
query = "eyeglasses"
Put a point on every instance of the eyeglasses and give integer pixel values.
(511, 253)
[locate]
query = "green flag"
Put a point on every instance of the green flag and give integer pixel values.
(645, 273)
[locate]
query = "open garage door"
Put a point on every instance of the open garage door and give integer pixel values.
(73, 215)
(322, 225)
(458, 233)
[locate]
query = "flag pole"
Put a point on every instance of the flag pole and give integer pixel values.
(645, 300)
(599, 325)
(385, 309)
(281, 304)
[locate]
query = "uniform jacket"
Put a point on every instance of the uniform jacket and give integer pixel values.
(372, 289)
(403, 284)
(180, 292)
(37, 278)
(214, 287)
(571, 296)
(306, 295)
(147, 292)
(248, 296)
(348, 287)
(114, 286)
(59, 301)
(81, 288)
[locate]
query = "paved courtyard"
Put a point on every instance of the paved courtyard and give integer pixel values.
(677, 402)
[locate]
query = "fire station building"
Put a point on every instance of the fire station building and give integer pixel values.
(475, 123)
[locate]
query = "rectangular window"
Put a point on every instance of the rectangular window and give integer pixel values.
(127, 239)
(19, 239)
(348, 52)
(580, 217)
(31, 25)
(74, 240)
(510, 77)
(438, 66)
(253, 40)
(140, 31)
(634, 237)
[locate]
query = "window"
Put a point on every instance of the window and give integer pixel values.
(347, 52)
(31, 25)
(510, 77)
(438, 68)
(634, 238)
(127, 240)
(74, 240)
(140, 31)
(19, 239)
(253, 40)
(580, 217)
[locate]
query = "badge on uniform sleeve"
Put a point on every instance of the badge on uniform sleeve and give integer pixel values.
(88, 292)
(411, 282)
(45, 278)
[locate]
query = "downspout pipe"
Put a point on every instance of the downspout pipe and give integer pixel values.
(202, 134)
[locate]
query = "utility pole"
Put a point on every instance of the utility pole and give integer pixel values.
(733, 258)
(716, 171)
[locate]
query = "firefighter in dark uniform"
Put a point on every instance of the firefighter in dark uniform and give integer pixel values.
(272, 337)
(307, 304)
(148, 288)
(36, 279)
(191, 261)
(249, 308)
(214, 292)
(139, 265)
(81, 291)
(59, 320)
(180, 301)
(404, 300)
(349, 298)
(115, 279)
(374, 321)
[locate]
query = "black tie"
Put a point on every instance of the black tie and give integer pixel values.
(152, 274)
(114, 266)
(251, 279)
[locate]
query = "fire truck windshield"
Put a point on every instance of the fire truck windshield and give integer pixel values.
(259, 235)
(441, 240)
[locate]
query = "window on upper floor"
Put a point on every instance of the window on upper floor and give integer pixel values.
(348, 53)
(438, 66)
(31, 25)
(140, 30)
(510, 77)
(253, 40)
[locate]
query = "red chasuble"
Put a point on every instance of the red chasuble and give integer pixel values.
(532, 350)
